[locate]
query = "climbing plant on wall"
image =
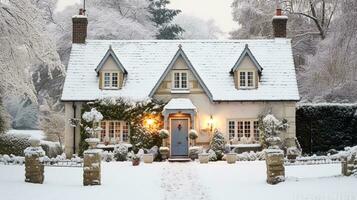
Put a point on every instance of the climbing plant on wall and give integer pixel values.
(133, 112)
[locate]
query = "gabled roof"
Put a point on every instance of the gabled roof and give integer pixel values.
(146, 61)
(246, 52)
(111, 53)
(180, 53)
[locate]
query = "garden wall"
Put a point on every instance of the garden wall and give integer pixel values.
(321, 127)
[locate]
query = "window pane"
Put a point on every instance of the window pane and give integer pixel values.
(115, 80)
(102, 132)
(126, 132)
(111, 130)
(117, 131)
(242, 79)
(106, 79)
(250, 79)
(247, 129)
(183, 80)
(256, 130)
(176, 80)
(239, 129)
(231, 129)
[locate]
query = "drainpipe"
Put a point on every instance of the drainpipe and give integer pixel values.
(74, 128)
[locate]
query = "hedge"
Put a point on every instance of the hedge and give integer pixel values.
(322, 127)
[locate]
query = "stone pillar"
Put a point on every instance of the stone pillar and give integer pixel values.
(349, 164)
(274, 159)
(91, 167)
(34, 170)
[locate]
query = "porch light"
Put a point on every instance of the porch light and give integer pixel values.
(150, 122)
(210, 123)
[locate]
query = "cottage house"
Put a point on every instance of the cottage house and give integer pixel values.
(207, 84)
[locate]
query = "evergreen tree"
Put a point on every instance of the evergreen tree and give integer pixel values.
(218, 144)
(162, 18)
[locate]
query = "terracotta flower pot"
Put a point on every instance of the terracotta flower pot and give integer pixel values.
(135, 162)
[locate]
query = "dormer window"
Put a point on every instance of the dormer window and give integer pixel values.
(110, 80)
(246, 79)
(180, 80)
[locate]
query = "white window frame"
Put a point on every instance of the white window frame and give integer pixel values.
(246, 79)
(121, 132)
(236, 123)
(111, 79)
(180, 72)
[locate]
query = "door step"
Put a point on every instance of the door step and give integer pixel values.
(179, 159)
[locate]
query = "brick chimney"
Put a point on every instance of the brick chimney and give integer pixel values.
(80, 23)
(279, 24)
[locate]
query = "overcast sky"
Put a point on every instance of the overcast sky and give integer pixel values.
(218, 10)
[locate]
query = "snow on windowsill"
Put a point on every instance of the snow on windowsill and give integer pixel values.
(180, 91)
(245, 145)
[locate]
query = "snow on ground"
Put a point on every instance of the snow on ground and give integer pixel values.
(177, 181)
(38, 134)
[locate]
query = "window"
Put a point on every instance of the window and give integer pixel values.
(231, 129)
(115, 131)
(180, 80)
(246, 79)
(111, 80)
(256, 130)
(243, 128)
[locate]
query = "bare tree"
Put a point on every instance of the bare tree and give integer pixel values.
(53, 126)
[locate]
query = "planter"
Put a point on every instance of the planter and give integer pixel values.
(164, 152)
(135, 162)
(231, 158)
(92, 142)
(292, 158)
(203, 157)
(148, 158)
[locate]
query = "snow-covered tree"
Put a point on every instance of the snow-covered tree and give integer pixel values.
(162, 18)
(218, 144)
(4, 121)
(196, 28)
(53, 126)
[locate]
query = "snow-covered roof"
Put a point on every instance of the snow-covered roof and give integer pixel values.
(146, 60)
(180, 104)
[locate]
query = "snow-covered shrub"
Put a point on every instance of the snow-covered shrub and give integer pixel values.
(52, 149)
(23, 111)
(140, 153)
(271, 128)
(154, 151)
(212, 155)
(13, 144)
(120, 152)
(53, 126)
(107, 156)
(293, 151)
(164, 134)
(251, 156)
(218, 144)
(192, 134)
(194, 151)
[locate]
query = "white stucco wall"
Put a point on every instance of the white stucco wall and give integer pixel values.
(68, 137)
(222, 112)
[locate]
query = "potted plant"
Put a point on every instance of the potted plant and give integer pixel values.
(194, 151)
(203, 157)
(164, 134)
(148, 158)
(231, 157)
(192, 134)
(164, 152)
(292, 153)
(135, 160)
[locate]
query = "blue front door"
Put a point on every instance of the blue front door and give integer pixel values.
(179, 137)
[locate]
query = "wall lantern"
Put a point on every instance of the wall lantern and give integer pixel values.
(149, 122)
(210, 123)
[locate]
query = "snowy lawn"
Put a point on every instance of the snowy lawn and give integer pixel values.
(191, 181)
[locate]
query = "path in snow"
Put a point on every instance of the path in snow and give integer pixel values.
(179, 181)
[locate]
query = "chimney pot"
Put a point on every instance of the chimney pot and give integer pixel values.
(278, 12)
